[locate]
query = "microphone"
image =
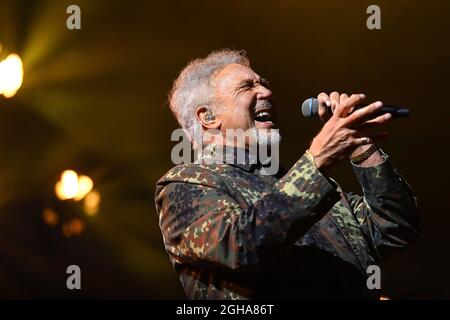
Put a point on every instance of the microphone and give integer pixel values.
(310, 109)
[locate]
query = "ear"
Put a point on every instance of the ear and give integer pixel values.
(207, 118)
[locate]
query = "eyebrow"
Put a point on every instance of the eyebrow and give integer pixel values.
(245, 82)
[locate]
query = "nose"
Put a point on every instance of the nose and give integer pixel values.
(263, 93)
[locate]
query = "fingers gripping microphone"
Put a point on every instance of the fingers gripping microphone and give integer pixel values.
(310, 109)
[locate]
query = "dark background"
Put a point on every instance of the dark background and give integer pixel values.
(94, 100)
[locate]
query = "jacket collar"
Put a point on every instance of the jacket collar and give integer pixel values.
(237, 157)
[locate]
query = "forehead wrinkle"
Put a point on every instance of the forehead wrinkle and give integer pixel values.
(247, 72)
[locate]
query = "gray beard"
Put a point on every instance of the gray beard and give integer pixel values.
(265, 137)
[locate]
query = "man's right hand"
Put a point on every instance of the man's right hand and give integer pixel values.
(346, 130)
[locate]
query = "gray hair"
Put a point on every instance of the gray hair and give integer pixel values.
(193, 87)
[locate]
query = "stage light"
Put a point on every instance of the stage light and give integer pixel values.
(67, 187)
(85, 185)
(74, 227)
(72, 186)
(50, 217)
(91, 203)
(11, 75)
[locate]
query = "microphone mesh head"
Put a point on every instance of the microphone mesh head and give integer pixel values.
(310, 107)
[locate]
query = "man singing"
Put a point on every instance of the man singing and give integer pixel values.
(234, 233)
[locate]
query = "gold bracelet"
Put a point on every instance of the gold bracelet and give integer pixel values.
(310, 156)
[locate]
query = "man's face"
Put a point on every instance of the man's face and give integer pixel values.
(244, 99)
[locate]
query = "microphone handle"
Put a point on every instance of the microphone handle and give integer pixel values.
(397, 112)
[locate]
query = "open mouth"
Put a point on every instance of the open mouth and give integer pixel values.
(263, 116)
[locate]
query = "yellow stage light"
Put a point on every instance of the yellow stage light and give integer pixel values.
(50, 217)
(11, 75)
(91, 203)
(85, 185)
(72, 186)
(67, 187)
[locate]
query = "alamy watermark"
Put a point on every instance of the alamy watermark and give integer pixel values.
(374, 277)
(374, 20)
(73, 21)
(74, 280)
(237, 146)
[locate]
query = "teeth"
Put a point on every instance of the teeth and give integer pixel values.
(262, 114)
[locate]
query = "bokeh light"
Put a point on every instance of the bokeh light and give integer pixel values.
(50, 217)
(73, 227)
(11, 75)
(72, 186)
(92, 203)
(85, 185)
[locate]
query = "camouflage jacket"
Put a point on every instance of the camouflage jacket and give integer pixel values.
(232, 233)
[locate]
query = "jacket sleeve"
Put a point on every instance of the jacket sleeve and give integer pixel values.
(201, 223)
(387, 212)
